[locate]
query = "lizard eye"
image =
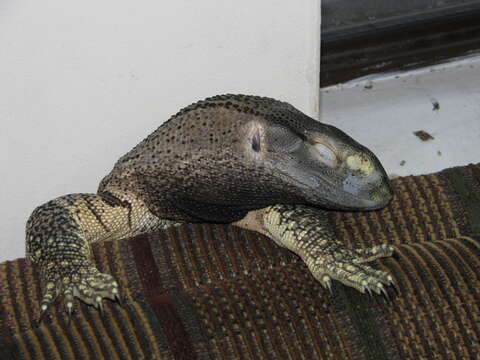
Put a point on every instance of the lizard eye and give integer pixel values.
(324, 154)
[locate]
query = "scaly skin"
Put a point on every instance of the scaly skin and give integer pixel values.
(255, 162)
(306, 232)
(59, 234)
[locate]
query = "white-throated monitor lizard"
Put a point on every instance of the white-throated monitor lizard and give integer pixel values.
(255, 162)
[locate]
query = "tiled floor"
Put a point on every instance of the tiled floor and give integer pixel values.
(383, 113)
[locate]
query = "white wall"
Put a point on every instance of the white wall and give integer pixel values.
(81, 82)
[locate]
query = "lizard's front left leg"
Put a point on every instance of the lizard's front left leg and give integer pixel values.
(306, 232)
(59, 234)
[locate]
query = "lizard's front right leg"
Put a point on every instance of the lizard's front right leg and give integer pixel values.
(306, 232)
(59, 234)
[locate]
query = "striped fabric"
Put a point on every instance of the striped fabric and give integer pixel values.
(219, 292)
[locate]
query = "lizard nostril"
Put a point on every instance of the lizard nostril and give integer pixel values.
(256, 142)
(381, 192)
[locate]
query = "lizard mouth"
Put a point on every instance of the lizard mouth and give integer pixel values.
(325, 192)
(334, 189)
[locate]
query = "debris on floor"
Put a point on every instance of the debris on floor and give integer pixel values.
(423, 135)
(435, 104)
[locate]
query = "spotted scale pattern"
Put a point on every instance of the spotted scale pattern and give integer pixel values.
(306, 232)
(59, 234)
(203, 165)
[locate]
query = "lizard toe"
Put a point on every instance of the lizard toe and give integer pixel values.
(367, 279)
(85, 283)
(373, 253)
(68, 301)
(50, 295)
(350, 272)
(326, 281)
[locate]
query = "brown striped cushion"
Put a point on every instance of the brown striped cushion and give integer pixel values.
(219, 292)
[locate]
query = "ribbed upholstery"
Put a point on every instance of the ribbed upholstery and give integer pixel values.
(219, 292)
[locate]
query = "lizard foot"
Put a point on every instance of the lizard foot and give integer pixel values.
(85, 283)
(348, 267)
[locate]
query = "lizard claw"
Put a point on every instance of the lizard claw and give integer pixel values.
(117, 297)
(43, 310)
(69, 308)
(326, 281)
(394, 285)
(86, 284)
(383, 291)
(347, 266)
(99, 305)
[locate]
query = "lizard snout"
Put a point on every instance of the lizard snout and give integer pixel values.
(373, 191)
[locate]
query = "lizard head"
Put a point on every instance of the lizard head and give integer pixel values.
(328, 167)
